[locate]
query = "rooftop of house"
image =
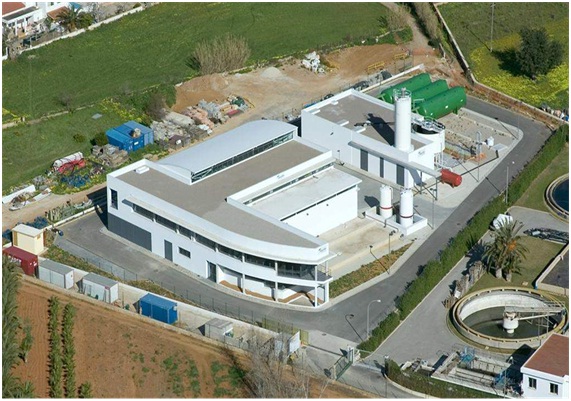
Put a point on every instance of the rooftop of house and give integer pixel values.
(551, 357)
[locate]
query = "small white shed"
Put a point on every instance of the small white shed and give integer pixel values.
(28, 238)
(100, 287)
(56, 273)
(217, 328)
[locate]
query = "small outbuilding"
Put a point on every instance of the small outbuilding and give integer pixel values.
(100, 287)
(159, 308)
(217, 328)
(28, 238)
(27, 261)
(56, 273)
(130, 136)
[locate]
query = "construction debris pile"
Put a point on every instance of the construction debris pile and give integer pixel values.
(312, 62)
(109, 155)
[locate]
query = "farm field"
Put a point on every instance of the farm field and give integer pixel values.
(127, 357)
(470, 24)
(144, 49)
(30, 150)
(534, 196)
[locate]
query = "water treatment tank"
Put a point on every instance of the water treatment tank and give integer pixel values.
(428, 91)
(412, 84)
(445, 103)
(406, 208)
(510, 321)
(386, 201)
(403, 120)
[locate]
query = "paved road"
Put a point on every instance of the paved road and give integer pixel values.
(337, 319)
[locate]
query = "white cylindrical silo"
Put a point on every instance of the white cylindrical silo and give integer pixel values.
(406, 208)
(386, 201)
(403, 119)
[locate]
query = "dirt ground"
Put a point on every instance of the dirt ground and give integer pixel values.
(126, 357)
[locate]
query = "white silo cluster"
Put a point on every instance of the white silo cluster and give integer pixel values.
(403, 120)
(406, 210)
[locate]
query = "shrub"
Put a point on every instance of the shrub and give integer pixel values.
(100, 139)
(79, 138)
(155, 107)
(224, 53)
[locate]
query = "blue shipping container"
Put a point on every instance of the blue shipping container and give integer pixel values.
(121, 136)
(159, 308)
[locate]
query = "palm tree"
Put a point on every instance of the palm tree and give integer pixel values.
(71, 19)
(506, 251)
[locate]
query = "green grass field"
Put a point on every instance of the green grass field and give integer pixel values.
(154, 47)
(30, 150)
(540, 253)
(534, 195)
(470, 23)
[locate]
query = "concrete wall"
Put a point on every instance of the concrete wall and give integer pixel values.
(328, 214)
(543, 386)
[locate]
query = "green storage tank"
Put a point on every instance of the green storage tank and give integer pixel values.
(445, 103)
(428, 91)
(411, 84)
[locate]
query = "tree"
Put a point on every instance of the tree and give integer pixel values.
(506, 251)
(27, 341)
(72, 18)
(85, 390)
(396, 19)
(156, 107)
(537, 54)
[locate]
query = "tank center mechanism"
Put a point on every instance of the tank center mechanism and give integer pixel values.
(514, 314)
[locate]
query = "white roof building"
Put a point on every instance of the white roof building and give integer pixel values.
(243, 209)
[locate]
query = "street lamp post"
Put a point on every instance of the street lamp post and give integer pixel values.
(370, 303)
(507, 181)
(390, 235)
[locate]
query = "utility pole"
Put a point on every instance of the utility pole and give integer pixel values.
(479, 143)
(492, 28)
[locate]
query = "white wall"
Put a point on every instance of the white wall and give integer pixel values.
(328, 214)
(543, 385)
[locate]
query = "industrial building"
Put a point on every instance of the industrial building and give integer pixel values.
(243, 209)
(546, 372)
(386, 140)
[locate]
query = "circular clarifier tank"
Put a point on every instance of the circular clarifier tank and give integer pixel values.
(508, 317)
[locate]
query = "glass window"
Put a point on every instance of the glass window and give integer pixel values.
(165, 222)
(304, 272)
(205, 241)
(114, 199)
(143, 212)
(532, 383)
(184, 252)
(553, 388)
(185, 231)
(230, 252)
(256, 260)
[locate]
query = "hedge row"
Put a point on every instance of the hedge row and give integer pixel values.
(457, 248)
(427, 385)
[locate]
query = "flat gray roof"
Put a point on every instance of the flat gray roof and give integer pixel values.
(207, 197)
(97, 279)
(55, 267)
(357, 110)
(304, 194)
(226, 145)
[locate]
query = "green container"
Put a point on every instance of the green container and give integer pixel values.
(411, 84)
(440, 105)
(428, 91)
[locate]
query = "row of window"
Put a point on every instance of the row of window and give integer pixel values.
(285, 269)
(287, 184)
(242, 156)
(553, 388)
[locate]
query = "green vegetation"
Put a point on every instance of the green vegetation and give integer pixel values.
(536, 261)
(95, 65)
(534, 196)
(470, 24)
(85, 390)
(30, 150)
(537, 54)
(506, 252)
(54, 356)
(27, 341)
(231, 375)
(12, 387)
(456, 249)
(427, 385)
(223, 53)
(365, 273)
(68, 350)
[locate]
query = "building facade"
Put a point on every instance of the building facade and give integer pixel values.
(243, 209)
(546, 372)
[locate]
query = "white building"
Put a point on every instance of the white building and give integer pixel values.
(17, 17)
(99, 287)
(56, 274)
(243, 209)
(546, 372)
(386, 140)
